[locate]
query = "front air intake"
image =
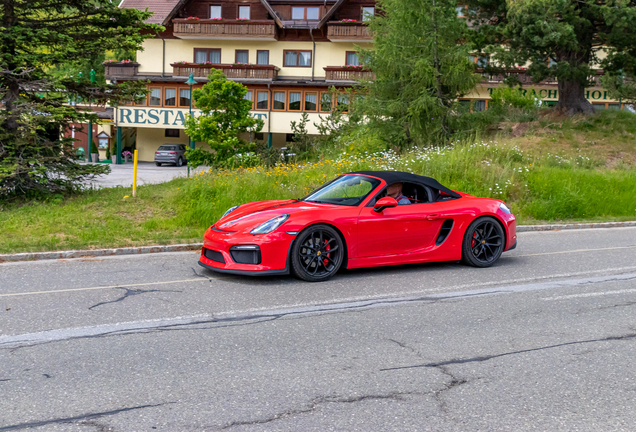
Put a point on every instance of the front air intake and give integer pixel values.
(246, 254)
(213, 255)
(444, 231)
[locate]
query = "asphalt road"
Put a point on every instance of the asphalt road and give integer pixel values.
(544, 340)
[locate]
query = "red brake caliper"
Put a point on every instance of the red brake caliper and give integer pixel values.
(473, 242)
(325, 261)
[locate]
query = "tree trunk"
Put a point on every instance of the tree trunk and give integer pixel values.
(572, 99)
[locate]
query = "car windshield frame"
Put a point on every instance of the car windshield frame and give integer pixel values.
(315, 195)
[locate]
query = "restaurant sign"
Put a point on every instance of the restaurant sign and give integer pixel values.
(165, 118)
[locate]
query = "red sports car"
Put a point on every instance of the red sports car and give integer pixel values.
(360, 219)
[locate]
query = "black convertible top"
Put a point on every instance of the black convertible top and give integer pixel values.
(391, 177)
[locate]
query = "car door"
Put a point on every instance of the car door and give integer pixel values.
(398, 230)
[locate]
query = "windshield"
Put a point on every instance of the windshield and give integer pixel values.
(167, 147)
(349, 190)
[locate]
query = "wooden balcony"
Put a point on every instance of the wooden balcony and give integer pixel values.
(232, 71)
(114, 70)
(526, 80)
(342, 73)
(348, 32)
(225, 29)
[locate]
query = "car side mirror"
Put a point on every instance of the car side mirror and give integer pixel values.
(383, 203)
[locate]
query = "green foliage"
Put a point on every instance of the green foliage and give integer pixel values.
(559, 39)
(303, 146)
(40, 42)
(224, 114)
(420, 69)
(514, 97)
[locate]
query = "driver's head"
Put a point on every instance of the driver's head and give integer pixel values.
(394, 190)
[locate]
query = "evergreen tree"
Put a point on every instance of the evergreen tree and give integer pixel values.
(421, 68)
(562, 39)
(224, 114)
(38, 38)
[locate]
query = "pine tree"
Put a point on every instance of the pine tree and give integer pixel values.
(38, 38)
(421, 67)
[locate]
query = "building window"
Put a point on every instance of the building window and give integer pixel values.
(170, 97)
(305, 13)
(343, 101)
(297, 58)
(289, 137)
(262, 100)
(155, 96)
(613, 106)
(262, 57)
(279, 101)
(215, 12)
(259, 136)
(244, 12)
(352, 58)
(172, 133)
(294, 101)
(461, 11)
(184, 97)
(250, 97)
(479, 105)
(204, 55)
(367, 13)
(242, 56)
(482, 60)
(325, 102)
(310, 101)
(143, 101)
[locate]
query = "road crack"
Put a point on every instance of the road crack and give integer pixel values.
(317, 402)
(490, 357)
(129, 293)
(80, 418)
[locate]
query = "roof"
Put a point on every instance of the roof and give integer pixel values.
(391, 177)
(162, 8)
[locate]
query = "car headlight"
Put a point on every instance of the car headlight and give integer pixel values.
(504, 208)
(230, 210)
(270, 225)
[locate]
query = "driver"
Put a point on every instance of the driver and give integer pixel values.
(395, 191)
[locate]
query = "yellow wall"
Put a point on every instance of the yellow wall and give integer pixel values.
(327, 54)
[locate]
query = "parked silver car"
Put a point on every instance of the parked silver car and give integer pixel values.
(171, 154)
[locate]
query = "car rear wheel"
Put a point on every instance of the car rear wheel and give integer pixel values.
(483, 242)
(317, 253)
(157, 163)
(179, 162)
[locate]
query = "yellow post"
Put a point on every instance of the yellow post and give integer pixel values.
(135, 175)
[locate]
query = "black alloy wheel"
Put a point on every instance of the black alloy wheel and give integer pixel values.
(317, 253)
(483, 242)
(179, 162)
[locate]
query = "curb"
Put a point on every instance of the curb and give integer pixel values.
(37, 256)
(558, 227)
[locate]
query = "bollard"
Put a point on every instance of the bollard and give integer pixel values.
(135, 175)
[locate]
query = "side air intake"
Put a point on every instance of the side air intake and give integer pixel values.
(444, 232)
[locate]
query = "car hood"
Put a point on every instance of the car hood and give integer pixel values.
(249, 216)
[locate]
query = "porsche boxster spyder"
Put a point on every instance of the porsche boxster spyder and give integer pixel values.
(350, 222)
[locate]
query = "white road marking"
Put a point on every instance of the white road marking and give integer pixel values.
(13, 341)
(583, 295)
(103, 287)
(577, 250)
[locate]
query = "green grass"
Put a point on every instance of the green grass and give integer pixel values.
(550, 184)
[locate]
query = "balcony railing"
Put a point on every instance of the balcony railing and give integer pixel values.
(220, 29)
(526, 80)
(344, 32)
(342, 73)
(113, 70)
(232, 71)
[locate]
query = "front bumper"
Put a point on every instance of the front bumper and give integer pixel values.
(274, 251)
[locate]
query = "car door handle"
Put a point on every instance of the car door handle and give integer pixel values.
(433, 216)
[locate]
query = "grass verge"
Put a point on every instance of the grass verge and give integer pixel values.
(544, 181)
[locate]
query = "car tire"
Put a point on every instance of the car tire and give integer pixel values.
(180, 162)
(157, 163)
(483, 243)
(314, 242)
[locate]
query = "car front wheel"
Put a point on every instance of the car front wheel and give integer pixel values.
(317, 253)
(483, 242)
(179, 162)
